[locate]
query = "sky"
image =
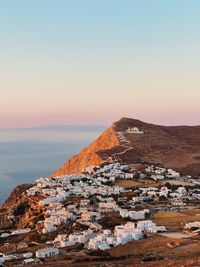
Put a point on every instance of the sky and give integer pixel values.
(93, 62)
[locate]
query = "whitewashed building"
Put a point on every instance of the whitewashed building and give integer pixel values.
(47, 252)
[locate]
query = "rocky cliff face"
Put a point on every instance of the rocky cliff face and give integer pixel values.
(90, 156)
(15, 195)
(19, 211)
(177, 147)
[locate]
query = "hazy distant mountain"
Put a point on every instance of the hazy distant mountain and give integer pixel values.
(69, 128)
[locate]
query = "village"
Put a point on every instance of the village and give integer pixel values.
(86, 201)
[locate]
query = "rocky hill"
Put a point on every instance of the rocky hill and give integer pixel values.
(176, 147)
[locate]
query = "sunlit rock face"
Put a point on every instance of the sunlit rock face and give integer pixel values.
(133, 141)
(90, 156)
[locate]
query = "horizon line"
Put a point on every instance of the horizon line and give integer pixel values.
(52, 125)
(61, 125)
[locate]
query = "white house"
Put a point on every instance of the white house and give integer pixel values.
(136, 215)
(47, 252)
(29, 261)
(123, 238)
(190, 225)
(130, 226)
(137, 234)
(93, 244)
(157, 177)
(106, 206)
(28, 255)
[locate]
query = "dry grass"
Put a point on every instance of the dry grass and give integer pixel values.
(127, 183)
(168, 214)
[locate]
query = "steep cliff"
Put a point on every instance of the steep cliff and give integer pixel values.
(89, 156)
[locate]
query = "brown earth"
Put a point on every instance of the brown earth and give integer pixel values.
(175, 147)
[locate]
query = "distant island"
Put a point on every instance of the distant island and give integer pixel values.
(57, 127)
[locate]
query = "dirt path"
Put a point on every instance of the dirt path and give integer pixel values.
(126, 144)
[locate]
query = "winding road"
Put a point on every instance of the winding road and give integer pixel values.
(126, 144)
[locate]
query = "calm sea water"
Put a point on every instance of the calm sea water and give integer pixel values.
(27, 155)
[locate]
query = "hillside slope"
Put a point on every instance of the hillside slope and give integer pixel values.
(89, 156)
(176, 147)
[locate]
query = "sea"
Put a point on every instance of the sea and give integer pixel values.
(26, 155)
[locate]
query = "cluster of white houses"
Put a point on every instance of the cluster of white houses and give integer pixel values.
(159, 173)
(98, 195)
(99, 182)
(125, 172)
(57, 190)
(106, 238)
(29, 258)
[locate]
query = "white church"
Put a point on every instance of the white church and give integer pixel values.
(134, 130)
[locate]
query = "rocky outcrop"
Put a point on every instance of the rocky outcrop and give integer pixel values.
(20, 211)
(16, 195)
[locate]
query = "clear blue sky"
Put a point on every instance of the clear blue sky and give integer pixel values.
(95, 61)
